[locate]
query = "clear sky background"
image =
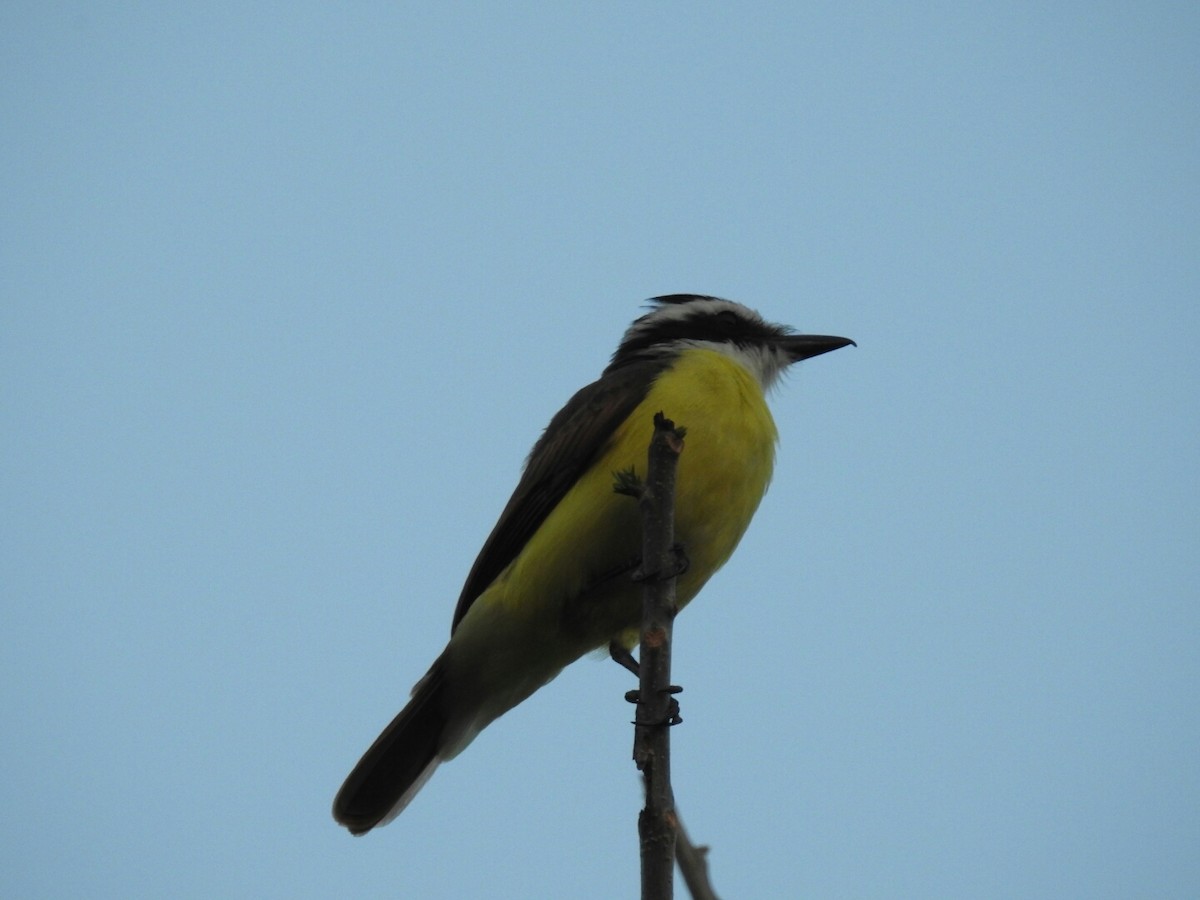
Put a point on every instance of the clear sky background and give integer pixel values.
(290, 289)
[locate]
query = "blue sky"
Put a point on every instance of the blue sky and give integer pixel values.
(288, 291)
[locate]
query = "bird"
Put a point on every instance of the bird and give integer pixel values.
(554, 580)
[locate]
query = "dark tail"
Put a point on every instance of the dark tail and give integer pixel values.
(398, 763)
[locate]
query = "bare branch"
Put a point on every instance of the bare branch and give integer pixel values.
(693, 865)
(663, 838)
(657, 709)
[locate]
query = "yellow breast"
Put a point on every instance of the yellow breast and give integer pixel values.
(723, 473)
(569, 591)
(728, 457)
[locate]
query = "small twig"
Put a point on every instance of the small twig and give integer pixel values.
(662, 833)
(657, 709)
(693, 865)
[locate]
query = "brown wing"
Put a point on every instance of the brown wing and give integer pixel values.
(575, 438)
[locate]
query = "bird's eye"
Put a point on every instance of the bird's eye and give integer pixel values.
(729, 319)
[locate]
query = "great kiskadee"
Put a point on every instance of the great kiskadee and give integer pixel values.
(553, 580)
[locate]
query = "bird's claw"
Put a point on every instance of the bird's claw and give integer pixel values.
(673, 717)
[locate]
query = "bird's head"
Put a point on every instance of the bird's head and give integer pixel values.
(677, 322)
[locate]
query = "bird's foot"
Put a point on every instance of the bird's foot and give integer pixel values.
(623, 657)
(672, 718)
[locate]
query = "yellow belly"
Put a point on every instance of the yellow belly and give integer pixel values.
(554, 603)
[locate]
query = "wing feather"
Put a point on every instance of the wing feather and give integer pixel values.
(575, 439)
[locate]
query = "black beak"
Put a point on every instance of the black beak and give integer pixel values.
(806, 346)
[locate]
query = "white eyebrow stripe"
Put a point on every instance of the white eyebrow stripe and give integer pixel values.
(679, 312)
